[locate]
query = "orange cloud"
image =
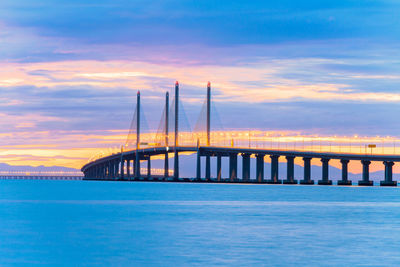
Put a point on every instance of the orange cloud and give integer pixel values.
(262, 81)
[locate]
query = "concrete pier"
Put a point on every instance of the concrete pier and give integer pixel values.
(260, 167)
(122, 169)
(307, 172)
(133, 168)
(233, 167)
(176, 166)
(274, 170)
(128, 169)
(148, 167)
(198, 166)
(219, 167)
(325, 172)
(388, 174)
(365, 174)
(345, 180)
(290, 171)
(208, 167)
(117, 169)
(246, 167)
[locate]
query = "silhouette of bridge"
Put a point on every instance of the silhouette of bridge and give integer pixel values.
(126, 164)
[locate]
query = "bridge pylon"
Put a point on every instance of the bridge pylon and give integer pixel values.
(208, 158)
(137, 157)
(166, 163)
(176, 143)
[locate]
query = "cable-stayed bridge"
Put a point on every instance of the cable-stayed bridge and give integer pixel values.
(174, 137)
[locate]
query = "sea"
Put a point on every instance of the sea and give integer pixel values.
(95, 223)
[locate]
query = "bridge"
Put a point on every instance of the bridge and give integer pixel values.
(41, 175)
(126, 164)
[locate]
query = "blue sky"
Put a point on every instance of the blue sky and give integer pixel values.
(324, 67)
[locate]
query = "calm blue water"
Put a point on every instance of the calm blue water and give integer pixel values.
(86, 223)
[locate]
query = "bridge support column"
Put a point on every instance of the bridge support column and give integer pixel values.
(245, 167)
(260, 167)
(112, 170)
(148, 167)
(233, 167)
(122, 170)
(325, 173)
(109, 171)
(290, 171)
(128, 169)
(176, 165)
(133, 169)
(365, 175)
(166, 166)
(219, 165)
(198, 166)
(208, 167)
(137, 166)
(307, 172)
(388, 174)
(274, 170)
(116, 168)
(345, 180)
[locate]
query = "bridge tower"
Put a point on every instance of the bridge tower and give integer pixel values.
(176, 143)
(208, 160)
(137, 160)
(208, 112)
(166, 164)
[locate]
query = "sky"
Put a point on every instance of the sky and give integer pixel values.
(70, 70)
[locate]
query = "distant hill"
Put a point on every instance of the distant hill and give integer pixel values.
(4, 167)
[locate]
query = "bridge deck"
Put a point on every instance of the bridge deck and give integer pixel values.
(225, 151)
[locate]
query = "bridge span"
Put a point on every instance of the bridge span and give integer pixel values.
(125, 166)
